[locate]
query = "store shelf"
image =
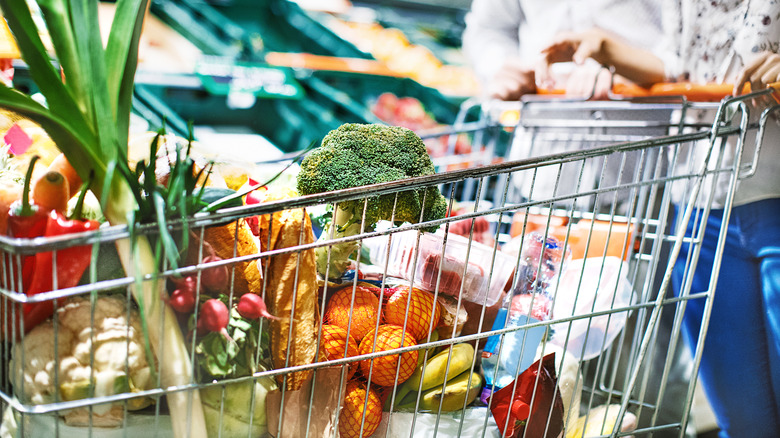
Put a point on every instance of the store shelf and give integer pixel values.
(364, 89)
(291, 124)
(246, 29)
(438, 27)
(203, 26)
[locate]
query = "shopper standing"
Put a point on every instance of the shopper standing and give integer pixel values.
(503, 41)
(504, 38)
(731, 41)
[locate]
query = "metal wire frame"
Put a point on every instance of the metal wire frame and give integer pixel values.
(648, 225)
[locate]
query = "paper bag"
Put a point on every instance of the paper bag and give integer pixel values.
(324, 406)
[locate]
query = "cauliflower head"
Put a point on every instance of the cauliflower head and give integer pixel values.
(97, 354)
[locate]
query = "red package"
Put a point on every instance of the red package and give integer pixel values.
(449, 283)
(531, 422)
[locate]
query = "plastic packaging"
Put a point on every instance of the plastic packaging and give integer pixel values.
(530, 301)
(471, 423)
(591, 285)
(436, 266)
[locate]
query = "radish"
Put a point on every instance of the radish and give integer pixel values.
(251, 306)
(214, 316)
(183, 297)
(214, 279)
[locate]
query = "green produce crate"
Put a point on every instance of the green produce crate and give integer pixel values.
(152, 108)
(204, 27)
(291, 124)
(248, 28)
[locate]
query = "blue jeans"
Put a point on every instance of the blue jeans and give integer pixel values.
(740, 367)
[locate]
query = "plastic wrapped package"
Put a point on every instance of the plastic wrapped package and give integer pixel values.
(591, 285)
(445, 267)
(399, 425)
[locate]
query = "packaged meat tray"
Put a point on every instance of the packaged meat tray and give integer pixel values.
(445, 266)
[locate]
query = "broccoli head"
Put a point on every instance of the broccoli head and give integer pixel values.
(356, 155)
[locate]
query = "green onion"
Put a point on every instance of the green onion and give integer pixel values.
(88, 117)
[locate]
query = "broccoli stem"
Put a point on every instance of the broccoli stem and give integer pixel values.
(345, 226)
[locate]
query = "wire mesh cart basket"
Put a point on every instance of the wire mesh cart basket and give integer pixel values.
(540, 305)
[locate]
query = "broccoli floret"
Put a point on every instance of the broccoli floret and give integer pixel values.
(361, 154)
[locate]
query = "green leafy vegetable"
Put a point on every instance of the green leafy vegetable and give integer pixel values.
(219, 357)
(357, 155)
(88, 116)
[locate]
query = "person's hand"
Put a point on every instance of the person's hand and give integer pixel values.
(589, 81)
(512, 81)
(763, 70)
(568, 47)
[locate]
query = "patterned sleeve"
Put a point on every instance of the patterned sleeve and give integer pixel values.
(669, 47)
(761, 30)
(491, 35)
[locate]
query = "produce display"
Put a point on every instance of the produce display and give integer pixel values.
(392, 47)
(230, 305)
(409, 112)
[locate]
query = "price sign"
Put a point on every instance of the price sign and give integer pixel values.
(259, 80)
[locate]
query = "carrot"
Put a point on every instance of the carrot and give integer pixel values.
(51, 192)
(62, 165)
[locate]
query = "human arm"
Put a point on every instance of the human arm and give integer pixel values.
(512, 80)
(491, 44)
(638, 65)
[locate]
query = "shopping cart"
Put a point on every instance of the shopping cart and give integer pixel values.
(602, 358)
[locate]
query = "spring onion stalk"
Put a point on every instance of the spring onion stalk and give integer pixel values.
(87, 114)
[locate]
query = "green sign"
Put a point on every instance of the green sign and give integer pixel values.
(229, 78)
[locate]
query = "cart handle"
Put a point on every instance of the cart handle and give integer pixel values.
(691, 91)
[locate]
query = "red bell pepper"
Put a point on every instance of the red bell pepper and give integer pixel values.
(71, 264)
(26, 220)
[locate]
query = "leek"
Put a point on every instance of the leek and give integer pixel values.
(88, 117)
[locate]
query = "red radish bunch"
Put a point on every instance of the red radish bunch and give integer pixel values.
(214, 279)
(214, 317)
(251, 306)
(183, 298)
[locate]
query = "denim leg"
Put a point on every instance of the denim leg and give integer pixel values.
(735, 369)
(770, 275)
(764, 220)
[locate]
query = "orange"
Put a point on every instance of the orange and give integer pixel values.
(354, 408)
(423, 313)
(359, 317)
(382, 373)
(335, 342)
